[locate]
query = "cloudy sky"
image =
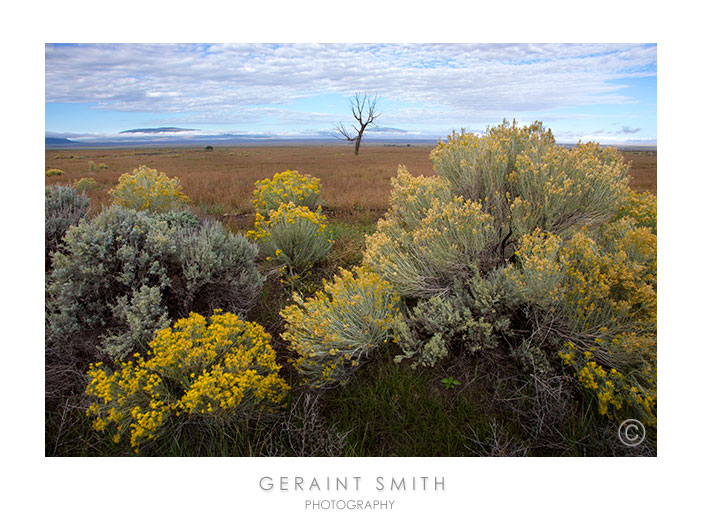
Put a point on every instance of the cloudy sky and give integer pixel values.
(601, 92)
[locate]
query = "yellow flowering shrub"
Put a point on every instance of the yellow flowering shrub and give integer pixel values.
(286, 187)
(293, 237)
(422, 258)
(85, 184)
(601, 301)
(525, 181)
(216, 369)
(53, 172)
(641, 208)
(338, 327)
(147, 189)
(411, 197)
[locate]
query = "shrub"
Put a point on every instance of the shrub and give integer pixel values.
(85, 184)
(421, 256)
(180, 218)
(125, 274)
(53, 172)
(339, 327)
(104, 264)
(412, 197)
(600, 301)
(102, 166)
(293, 237)
(220, 369)
(64, 206)
(213, 268)
(525, 181)
(641, 208)
(470, 317)
(286, 187)
(147, 189)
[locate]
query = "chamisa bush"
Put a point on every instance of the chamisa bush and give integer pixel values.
(64, 206)
(126, 273)
(293, 237)
(286, 187)
(340, 326)
(147, 189)
(85, 184)
(537, 262)
(213, 370)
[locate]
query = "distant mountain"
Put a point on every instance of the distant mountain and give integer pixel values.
(53, 141)
(150, 130)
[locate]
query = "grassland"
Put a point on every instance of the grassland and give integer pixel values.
(221, 181)
(389, 410)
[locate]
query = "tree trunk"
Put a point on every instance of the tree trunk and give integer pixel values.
(358, 139)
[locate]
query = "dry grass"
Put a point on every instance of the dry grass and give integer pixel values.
(221, 181)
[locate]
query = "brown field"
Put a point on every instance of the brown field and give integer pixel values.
(221, 181)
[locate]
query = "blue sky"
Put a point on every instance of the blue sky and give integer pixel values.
(600, 92)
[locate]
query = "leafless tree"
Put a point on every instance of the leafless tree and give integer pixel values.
(363, 109)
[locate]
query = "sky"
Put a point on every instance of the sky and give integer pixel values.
(591, 92)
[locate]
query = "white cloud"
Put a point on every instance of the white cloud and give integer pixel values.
(226, 79)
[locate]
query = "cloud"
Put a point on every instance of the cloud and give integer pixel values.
(227, 80)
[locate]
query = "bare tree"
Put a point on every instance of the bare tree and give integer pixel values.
(363, 108)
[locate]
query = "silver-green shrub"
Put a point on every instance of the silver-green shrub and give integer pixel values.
(525, 181)
(293, 237)
(470, 317)
(105, 260)
(64, 206)
(125, 273)
(421, 258)
(340, 326)
(213, 269)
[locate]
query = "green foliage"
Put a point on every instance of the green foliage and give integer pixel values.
(64, 206)
(200, 370)
(293, 237)
(286, 187)
(339, 327)
(121, 275)
(53, 172)
(449, 382)
(147, 189)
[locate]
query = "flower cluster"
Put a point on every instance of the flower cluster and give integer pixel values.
(220, 369)
(641, 207)
(286, 187)
(337, 328)
(147, 189)
(293, 237)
